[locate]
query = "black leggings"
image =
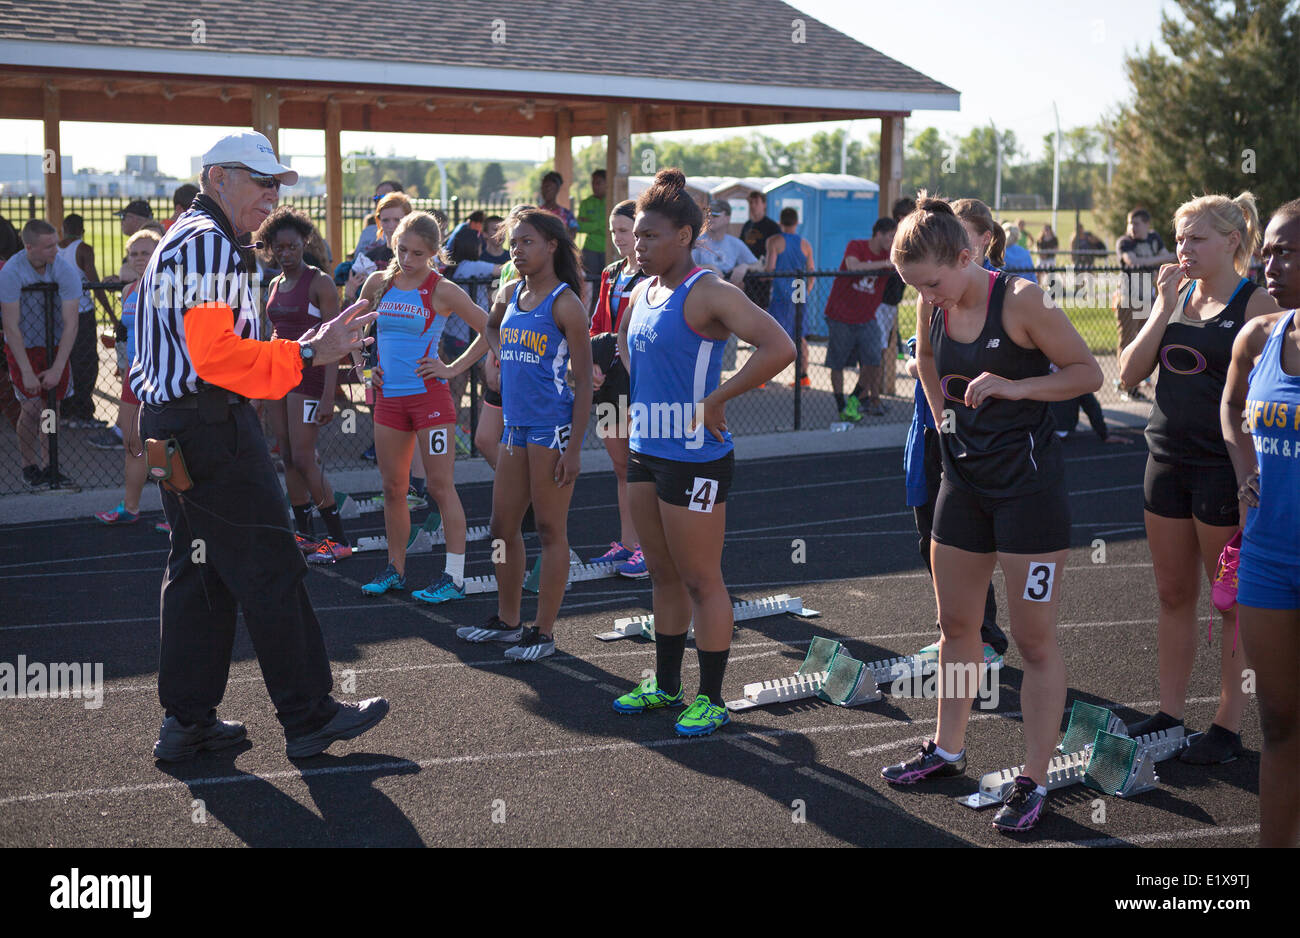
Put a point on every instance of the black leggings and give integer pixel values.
(990, 633)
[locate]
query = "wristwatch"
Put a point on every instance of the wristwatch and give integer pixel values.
(307, 352)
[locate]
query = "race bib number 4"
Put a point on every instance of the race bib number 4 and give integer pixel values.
(704, 492)
(1038, 585)
(309, 411)
(437, 441)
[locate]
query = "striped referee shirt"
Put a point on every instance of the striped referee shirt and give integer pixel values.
(197, 262)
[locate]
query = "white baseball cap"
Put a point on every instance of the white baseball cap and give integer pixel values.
(253, 150)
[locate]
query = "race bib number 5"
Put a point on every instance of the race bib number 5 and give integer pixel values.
(561, 439)
(1038, 585)
(704, 492)
(309, 411)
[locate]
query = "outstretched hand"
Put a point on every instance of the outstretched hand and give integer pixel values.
(343, 334)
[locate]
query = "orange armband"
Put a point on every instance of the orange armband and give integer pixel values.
(255, 369)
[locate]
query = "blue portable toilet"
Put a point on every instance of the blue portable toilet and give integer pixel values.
(833, 210)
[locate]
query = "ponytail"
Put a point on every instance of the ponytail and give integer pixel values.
(931, 232)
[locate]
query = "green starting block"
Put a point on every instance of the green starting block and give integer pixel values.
(827, 671)
(1111, 762)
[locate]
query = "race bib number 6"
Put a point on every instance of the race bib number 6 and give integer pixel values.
(1038, 585)
(437, 441)
(309, 411)
(704, 492)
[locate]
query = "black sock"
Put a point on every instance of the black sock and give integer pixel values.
(529, 524)
(859, 391)
(333, 523)
(839, 401)
(668, 661)
(713, 664)
(302, 518)
(417, 484)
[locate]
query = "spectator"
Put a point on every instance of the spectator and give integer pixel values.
(494, 235)
(1141, 252)
(1047, 245)
(591, 222)
(182, 199)
(31, 370)
(789, 253)
(1080, 248)
(551, 184)
(1023, 238)
(1018, 260)
(10, 244)
(894, 286)
(370, 232)
(391, 209)
(755, 233)
(474, 222)
(136, 213)
(724, 254)
(79, 410)
(856, 333)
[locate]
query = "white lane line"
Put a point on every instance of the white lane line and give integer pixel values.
(611, 689)
(45, 563)
(35, 576)
(154, 618)
(755, 750)
(1138, 840)
(414, 606)
(567, 671)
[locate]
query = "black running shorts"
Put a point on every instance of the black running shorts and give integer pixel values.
(1206, 493)
(1037, 523)
(694, 485)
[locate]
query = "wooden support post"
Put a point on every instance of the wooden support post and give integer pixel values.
(334, 179)
(618, 162)
(564, 154)
(52, 159)
(266, 114)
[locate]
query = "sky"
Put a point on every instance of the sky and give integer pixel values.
(1010, 61)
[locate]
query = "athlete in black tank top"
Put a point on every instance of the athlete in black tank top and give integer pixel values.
(1004, 447)
(1194, 358)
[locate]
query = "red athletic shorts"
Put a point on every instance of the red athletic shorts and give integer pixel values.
(412, 412)
(128, 396)
(37, 357)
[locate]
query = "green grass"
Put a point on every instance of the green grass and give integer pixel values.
(1095, 324)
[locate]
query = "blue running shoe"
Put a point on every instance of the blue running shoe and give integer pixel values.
(445, 590)
(617, 553)
(390, 579)
(634, 567)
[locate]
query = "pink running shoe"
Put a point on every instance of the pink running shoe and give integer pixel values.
(1225, 580)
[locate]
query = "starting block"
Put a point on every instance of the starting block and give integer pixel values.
(1112, 762)
(424, 538)
(578, 571)
(827, 672)
(644, 626)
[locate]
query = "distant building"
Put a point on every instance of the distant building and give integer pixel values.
(21, 173)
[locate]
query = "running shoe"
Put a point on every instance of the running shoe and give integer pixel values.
(1021, 806)
(308, 545)
(442, 591)
(390, 579)
(34, 478)
(805, 382)
(162, 527)
(1213, 747)
(533, 645)
(1225, 580)
(105, 439)
(494, 630)
(634, 567)
(929, 652)
(875, 409)
(852, 411)
(617, 553)
(369, 454)
(702, 717)
(1153, 724)
(58, 481)
(648, 696)
(330, 552)
(415, 501)
(462, 442)
(118, 515)
(928, 764)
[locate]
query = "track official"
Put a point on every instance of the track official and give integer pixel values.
(198, 362)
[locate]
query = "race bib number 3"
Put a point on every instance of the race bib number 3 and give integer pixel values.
(437, 441)
(309, 411)
(704, 492)
(1038, 585)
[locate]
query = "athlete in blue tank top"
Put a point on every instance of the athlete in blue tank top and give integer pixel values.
(683, 369)
(407, 330)
(1261, 407)
(680, 466)
(787, 251)
(538, 326)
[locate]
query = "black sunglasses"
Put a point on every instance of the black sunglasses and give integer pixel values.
(260, 179)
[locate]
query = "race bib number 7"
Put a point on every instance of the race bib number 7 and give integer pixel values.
(309, 411)
(1038, 585)
(704, 492)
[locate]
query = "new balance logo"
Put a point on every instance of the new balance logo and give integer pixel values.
(993, 343)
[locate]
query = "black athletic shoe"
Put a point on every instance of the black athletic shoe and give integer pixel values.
(1214, 747)
(64, 483)
(929, 764)
(1152, 724)
(1021, 807)
(34, 478)
(351, 721)
(177, 742)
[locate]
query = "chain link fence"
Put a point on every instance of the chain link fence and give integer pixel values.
(83, 447)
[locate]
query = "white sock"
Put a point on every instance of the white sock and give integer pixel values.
(948, 756)
(1041, 789)
(456, 568)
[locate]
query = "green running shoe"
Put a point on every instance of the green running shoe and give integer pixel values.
(648, 696)
(852, 411)
(702, 717)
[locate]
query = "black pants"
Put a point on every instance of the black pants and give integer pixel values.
(1066, 414)
(84, 362)
(990, 633)
(232, 548)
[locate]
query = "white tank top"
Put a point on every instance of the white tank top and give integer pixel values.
(70, 252)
